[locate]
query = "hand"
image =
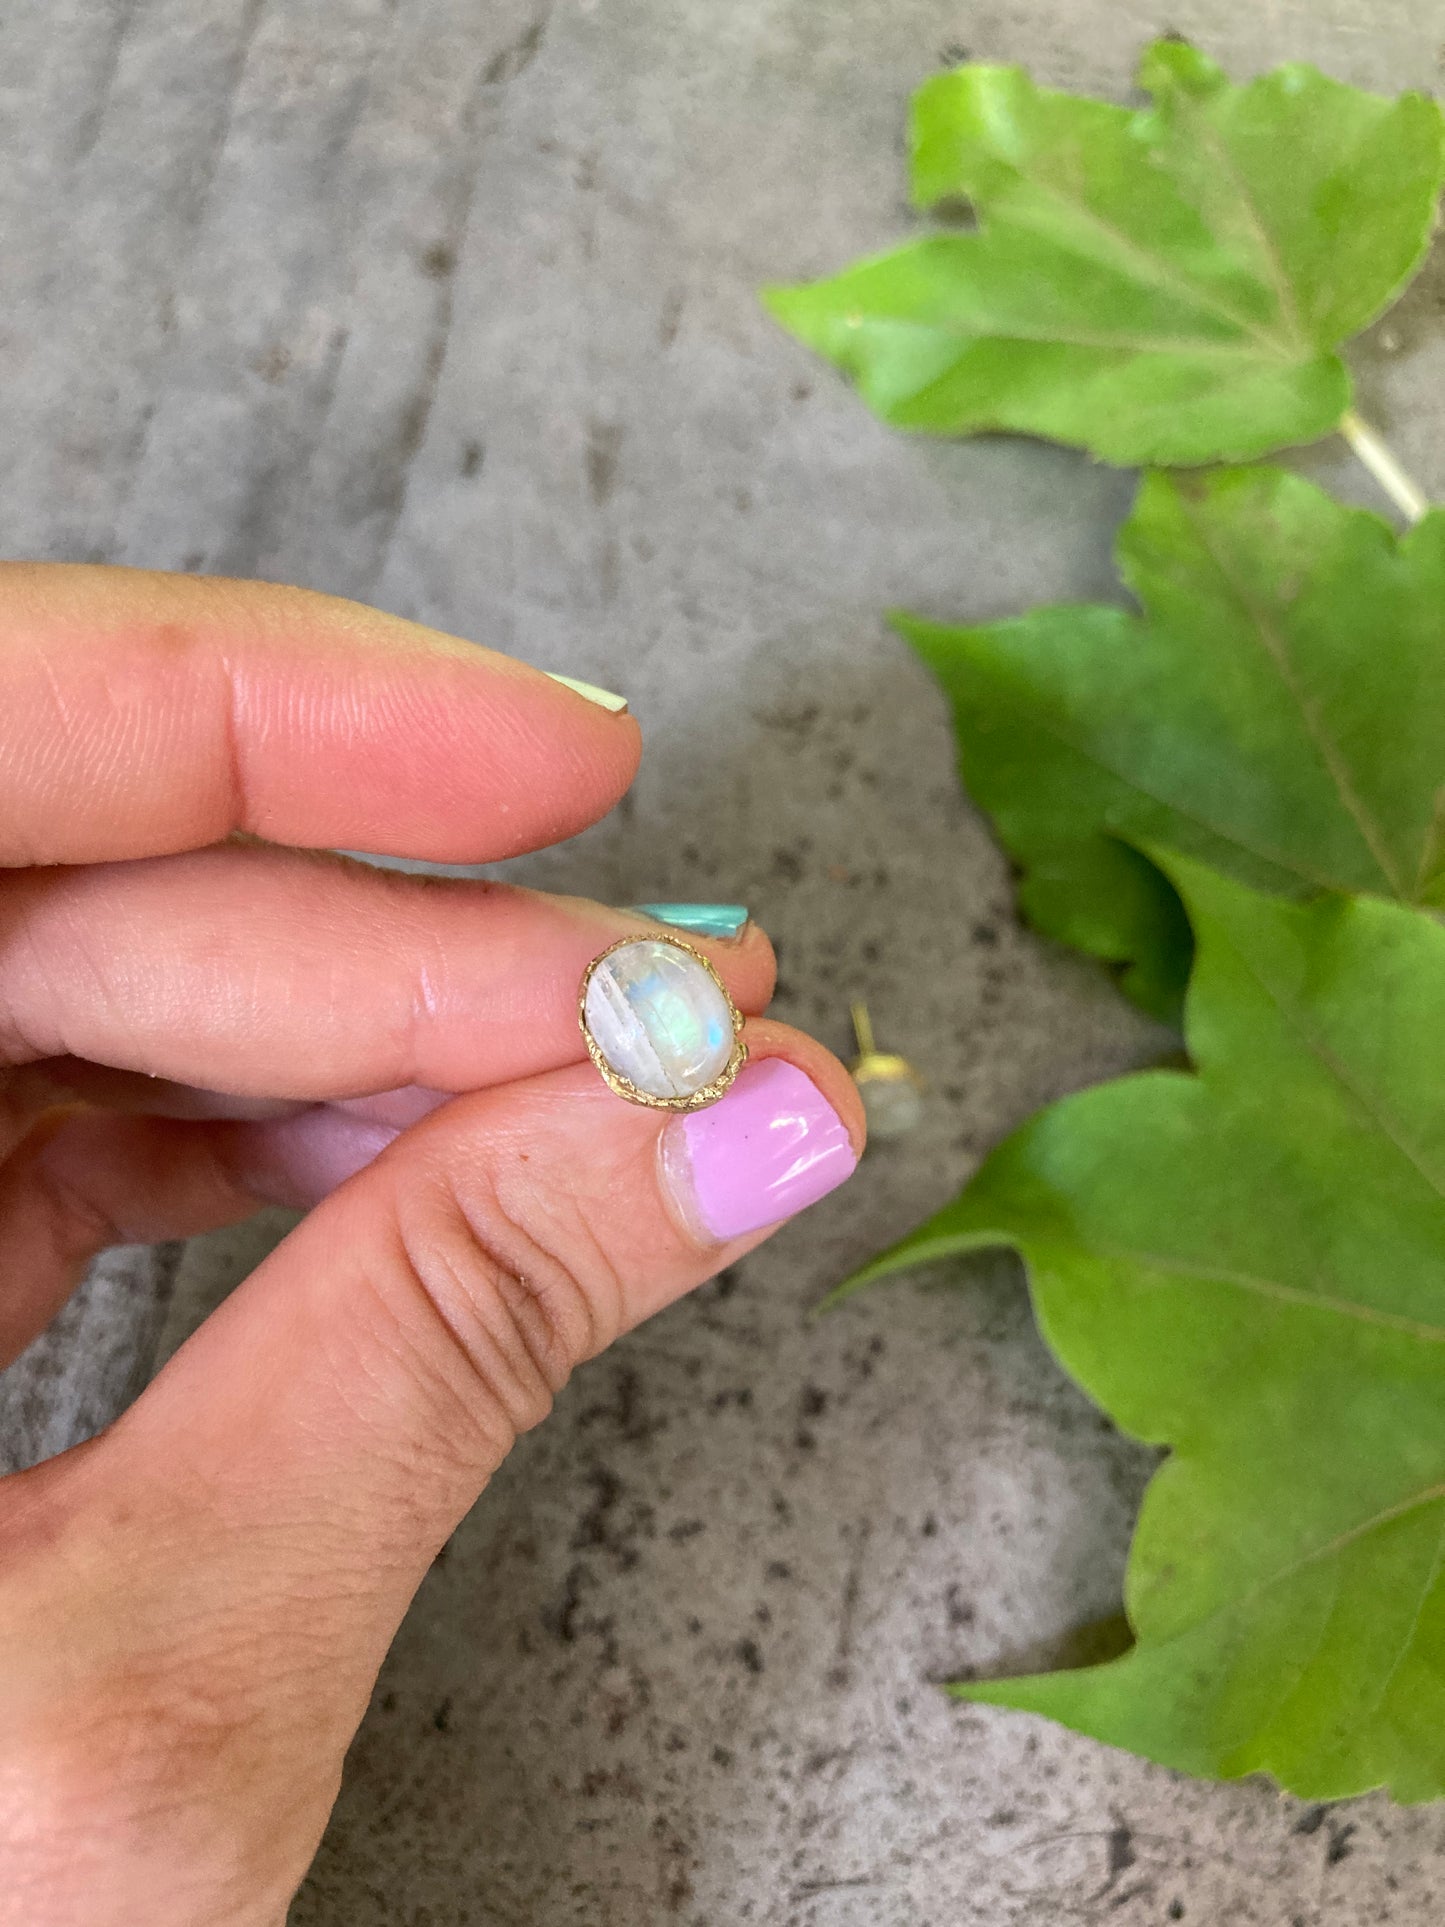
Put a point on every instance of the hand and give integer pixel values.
(194, 1606)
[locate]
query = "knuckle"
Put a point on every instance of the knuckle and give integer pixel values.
(520, 1284)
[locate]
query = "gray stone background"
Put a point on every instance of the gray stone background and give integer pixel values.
(449, 304)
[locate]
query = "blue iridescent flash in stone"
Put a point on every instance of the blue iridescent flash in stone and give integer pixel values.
(659, 1018)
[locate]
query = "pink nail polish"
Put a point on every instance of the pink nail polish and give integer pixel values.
(771, 1147)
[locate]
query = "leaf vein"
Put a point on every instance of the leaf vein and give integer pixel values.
(1277, 1288)
(1282, 860)
(1373, 1109)
(1153, 268)
(1432, 1495)
(1269, 248)
(1432, 1579)
(1336, 767)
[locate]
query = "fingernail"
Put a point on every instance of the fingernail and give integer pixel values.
(702, 919)
(603, 698)
(771, 1147)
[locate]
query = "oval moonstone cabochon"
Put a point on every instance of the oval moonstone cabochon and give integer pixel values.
(659, 1018)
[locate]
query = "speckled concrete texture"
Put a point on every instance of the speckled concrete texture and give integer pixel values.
(94, 1358)
(453, 308)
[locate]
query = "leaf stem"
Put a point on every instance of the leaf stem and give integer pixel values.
(1378, 458)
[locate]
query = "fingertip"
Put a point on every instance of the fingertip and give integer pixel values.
(766, 1038)
(590, 751)
(753, 948)
(787, 1132)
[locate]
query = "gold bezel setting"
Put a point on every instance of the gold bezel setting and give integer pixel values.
(623, 1086)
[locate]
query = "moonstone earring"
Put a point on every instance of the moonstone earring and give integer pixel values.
(892, 1091)
(660, 1025)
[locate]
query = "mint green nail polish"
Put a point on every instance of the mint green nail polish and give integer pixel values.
(603, 698)
(702, 919)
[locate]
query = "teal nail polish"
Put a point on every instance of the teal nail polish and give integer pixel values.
(702, 919)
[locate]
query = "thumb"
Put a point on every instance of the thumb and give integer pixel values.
(300, 1461)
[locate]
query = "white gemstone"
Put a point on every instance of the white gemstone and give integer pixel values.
(893, 1105)
(659, 1019)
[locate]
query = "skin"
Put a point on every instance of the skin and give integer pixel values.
(201, 1011)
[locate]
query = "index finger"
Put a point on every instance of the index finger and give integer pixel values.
(144, 714)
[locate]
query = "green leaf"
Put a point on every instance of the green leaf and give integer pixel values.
(1164, 285)
(1278, 712)
(1247, 1265)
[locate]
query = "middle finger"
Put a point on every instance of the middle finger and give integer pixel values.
(265, 972)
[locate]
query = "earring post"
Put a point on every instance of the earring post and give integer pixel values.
(863, 1029)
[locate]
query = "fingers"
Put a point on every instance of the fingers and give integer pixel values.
(82, 1181)
(335, 1418)
(68, 1080)
(143, 714)
(48, 1082)
(267, 972)
(201, 1598)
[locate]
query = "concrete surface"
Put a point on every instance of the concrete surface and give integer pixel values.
(451, 306)
(94, 1358)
